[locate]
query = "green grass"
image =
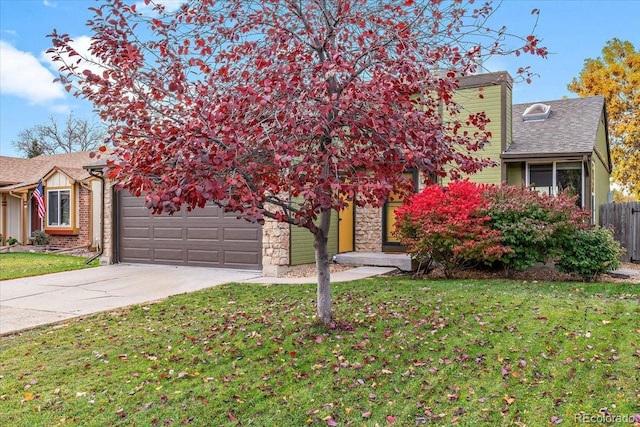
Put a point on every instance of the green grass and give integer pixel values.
(14, 265)
(403, 352)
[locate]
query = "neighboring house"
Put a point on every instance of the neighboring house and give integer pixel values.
(72, 196)
(551, 146)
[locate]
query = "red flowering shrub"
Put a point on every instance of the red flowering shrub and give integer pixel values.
(447, 225)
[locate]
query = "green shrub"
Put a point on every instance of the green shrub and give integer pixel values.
(40, 238)
(589, 253)
(535, 226)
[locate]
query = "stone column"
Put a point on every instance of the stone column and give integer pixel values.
(275, 248)
(368, 229)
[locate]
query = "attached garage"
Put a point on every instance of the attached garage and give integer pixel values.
(203, 237)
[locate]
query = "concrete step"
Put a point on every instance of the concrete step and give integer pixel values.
(378, 259)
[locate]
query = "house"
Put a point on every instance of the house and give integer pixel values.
(550, 146)
(72, 196)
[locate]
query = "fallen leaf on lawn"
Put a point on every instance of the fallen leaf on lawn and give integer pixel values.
(28, 397)
(509, 399)
(391, 419)
(331, 422)
(366, 414)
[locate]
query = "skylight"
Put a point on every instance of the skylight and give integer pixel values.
(536, 111)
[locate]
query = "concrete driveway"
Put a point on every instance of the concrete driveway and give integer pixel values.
(33, 301)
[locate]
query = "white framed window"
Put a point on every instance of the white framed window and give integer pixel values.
(552, 178)
(59, 208)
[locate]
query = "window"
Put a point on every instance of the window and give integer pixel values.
(536, 112)
(554, 178)
(59, 208)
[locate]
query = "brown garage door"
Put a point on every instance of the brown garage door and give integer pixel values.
(203, 237)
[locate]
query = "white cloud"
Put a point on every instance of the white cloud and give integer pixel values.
(10, 32)
(49, 3)
(169, 5)
(22, 75)
(60, 109)
(81, 45)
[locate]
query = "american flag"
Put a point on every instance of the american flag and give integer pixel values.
(38, 194)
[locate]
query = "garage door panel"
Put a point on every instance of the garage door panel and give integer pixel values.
(239, 258)
(167, 233)
(200, 256)
(240, 234)
(201, 233)
(137, 254)
(202, 237)
(133, 232)
(168, 255)
(135, 212)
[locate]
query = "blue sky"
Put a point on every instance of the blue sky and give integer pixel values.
(573, 30)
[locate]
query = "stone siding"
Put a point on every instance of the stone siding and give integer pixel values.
(275, 247)
(108, 250)
(368, 229)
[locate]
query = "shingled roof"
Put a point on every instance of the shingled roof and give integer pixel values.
(571, 128)
(17, 172)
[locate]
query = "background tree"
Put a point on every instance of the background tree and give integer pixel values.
(616, 76)
(51, 138)
(285, 108)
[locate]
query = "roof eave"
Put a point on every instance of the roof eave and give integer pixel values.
(526, 156)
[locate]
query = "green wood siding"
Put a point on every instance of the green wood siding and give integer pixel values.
(490, 103)
(302, 251)
(514, 173)
(602, 176)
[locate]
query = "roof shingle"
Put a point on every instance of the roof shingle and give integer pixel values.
(571, 127)
(18, 172)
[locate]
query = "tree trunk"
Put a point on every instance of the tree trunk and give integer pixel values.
(320, 241)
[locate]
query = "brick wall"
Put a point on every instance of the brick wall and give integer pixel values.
(83, 222)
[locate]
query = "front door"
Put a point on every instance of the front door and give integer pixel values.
(390, 242)
(346, 229)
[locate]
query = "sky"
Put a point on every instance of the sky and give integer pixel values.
(572, 30)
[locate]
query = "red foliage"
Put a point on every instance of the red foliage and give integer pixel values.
(245, 104)
(446, 224)
(249, 103)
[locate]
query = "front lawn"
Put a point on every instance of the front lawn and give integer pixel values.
(14, 265)
(404, 352)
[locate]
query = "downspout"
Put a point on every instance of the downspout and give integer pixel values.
(3, 225)
(102, 184)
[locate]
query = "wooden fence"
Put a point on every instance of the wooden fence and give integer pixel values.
(624, 218)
